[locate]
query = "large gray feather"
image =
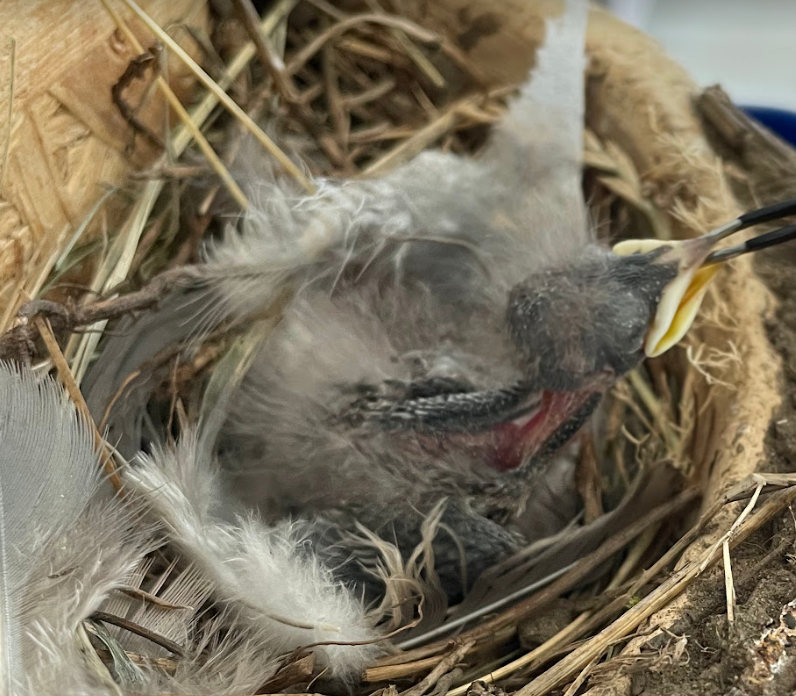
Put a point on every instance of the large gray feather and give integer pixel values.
(65, 542)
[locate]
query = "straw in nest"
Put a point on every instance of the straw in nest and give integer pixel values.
(361, 88)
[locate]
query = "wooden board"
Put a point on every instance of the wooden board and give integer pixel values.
(66, 140)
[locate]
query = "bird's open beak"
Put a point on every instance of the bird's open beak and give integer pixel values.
(682, 297)
(698, 261)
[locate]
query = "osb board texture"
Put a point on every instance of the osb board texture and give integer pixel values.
(67, 137)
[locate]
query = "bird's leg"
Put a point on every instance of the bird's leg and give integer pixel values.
(469, 543)
(70, 316)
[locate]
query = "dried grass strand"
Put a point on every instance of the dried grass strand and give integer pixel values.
(568, 666)
(12, 75)
(184, 116)
(68, 380)
(222, 97)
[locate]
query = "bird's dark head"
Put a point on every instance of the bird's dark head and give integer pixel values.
(578, 328)
(582, 326)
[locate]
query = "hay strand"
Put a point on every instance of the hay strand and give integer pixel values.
(185, 117)
(68, 380)
(222, 97)
(12, 75)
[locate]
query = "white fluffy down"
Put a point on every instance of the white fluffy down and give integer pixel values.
(267, 573)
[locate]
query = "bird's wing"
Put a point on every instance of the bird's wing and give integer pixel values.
(119, 384)
(458, 230)
(438, 409)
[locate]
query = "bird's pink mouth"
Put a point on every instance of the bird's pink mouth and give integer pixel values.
(517, 441)
(508, 445)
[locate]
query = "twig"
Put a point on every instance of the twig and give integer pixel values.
(406, 26)
(588, 480)
(364, 49)
(619, 604)
(301, 57)
(417, 56)
(297, 671)
(741, 133)
(250, 20)
(728, 534)
(133, 627)
(68, 380)
(247, 15)
(329, 9)
(401, 670)
(336, 107)
(445, 666)
(377, 91)
(582, 677)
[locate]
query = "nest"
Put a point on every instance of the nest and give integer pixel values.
(359, 87)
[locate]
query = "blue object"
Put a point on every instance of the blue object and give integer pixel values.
(781, 121)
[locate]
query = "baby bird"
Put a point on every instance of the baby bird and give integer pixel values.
(419, 357)
(450, 327)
